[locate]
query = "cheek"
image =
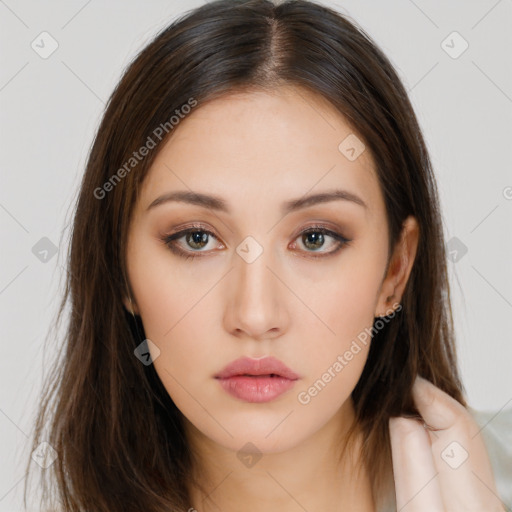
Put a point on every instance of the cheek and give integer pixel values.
(165, 290)
(338, 353)
(349, 297)
(176, 310)
(346, 305)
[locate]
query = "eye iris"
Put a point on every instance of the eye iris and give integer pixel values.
(317, 238)
(197, 237)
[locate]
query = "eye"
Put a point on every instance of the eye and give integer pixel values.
(197, 238)
(314, 239)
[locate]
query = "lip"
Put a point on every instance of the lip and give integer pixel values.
(263, 366)
(256, 380)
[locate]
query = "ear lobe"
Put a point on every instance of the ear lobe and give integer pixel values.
(400, 267)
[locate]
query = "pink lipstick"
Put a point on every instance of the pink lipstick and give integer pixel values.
(256, 380)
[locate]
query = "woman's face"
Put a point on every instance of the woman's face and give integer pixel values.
(250, 282)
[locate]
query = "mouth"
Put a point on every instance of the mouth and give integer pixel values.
(263, 375)
(256, 380)
(256, 388)
(267, 366)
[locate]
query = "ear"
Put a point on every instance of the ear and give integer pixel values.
(399, 268)
(130, 306)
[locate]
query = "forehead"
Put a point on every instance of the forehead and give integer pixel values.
(264, 146)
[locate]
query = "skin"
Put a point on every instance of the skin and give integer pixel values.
(257, 150)
(445, 467)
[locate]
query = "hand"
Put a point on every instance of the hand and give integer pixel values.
(446, 469)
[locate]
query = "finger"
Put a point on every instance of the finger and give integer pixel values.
(459, 453)
(416, 481)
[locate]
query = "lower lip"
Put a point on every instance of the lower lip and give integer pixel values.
(256, 389)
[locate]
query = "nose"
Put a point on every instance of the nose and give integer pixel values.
(256, 306)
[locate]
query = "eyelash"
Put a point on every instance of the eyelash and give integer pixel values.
(170, 240)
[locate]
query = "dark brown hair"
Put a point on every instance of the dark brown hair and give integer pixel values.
(118, 435)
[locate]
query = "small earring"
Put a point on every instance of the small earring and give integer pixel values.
(132, 312)
(392, 314)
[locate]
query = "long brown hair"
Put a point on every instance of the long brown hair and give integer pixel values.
(118, 436)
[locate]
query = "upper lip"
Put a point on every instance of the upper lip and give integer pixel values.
(264, 366)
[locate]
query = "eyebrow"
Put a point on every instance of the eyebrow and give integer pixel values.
(217, 203)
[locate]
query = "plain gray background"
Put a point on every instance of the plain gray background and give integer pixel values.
(51, 108)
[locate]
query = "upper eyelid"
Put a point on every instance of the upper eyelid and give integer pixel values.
(200, 227)
(204, 229)
(315, 227)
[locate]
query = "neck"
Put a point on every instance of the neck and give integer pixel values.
(314, 474)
